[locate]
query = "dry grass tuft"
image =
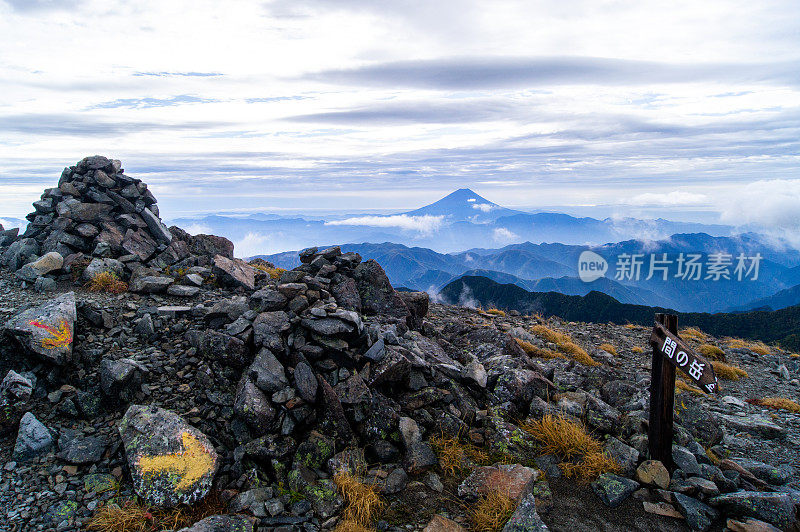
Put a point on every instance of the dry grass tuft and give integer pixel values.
(133, 516)
(351, 526)
(713, 456)
(491, 512)
(455, 456)
(727, 371)
(565, 345)
(794, 355)
(274, 273)
(637, 349)
(363, 501)
(683, 386)
(572, 442)
(107, 282)
(538, 352)
(778, 403)
(632, 326)
(712, 352)
(756, 347)
(496, 312)
(608, 348)
(693, 333)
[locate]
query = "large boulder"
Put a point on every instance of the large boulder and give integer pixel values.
(171, 462)
(377, 294)
(42, 266)
(46, 331)
(221, 523)
(234, 272)
(33, 439)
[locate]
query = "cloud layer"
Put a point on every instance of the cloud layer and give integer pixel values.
(640, 109)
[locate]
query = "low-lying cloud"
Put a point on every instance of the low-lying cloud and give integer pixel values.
(422, 224)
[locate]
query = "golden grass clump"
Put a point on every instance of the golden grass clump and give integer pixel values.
(134, 516)
(107, 282)
(608, 348)
(491, 512)
(571, 441)
(727, 371)
(496, 312)
(363, 501)
(351, 526)
(711, 352)
(756, 347)
(538, 352)
(778, 403)
(565, 345)
(794, 355)
(274, 273)
(693, 333)
(455, 456)
(637, 349)
(683, 386)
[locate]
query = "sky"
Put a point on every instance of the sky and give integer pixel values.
(655, 109)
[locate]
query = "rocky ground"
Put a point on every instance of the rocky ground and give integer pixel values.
(252, 392)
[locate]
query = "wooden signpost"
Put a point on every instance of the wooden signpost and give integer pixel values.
(669, 352)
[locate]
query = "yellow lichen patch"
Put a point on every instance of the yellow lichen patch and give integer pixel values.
(727, 371)
(693, 333)
(711, 352)
(608, 348)
(491, 512)
(189, 465)
(584, 455)
(60, 336)
(778, 403)
(538, 352)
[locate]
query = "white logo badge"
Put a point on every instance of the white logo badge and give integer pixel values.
(591, 266)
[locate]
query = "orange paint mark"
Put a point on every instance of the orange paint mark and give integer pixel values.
(60, 336)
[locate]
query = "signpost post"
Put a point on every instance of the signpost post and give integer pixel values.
(670, 352)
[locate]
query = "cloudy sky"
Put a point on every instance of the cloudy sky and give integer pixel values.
(642, 108)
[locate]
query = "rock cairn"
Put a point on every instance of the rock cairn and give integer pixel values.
(99, 214)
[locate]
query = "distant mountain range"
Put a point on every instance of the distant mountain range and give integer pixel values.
(554, 267)
(781, 326)
(462, 220)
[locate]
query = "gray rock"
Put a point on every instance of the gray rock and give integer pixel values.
(268, 329)
(253, 406)
(42, 266)
(685, 460)
(20, 252)
(774, 508)
(146, 281)
(267, 372)
(395, 482)
(121, 379)
(170, 462)
(144, 326)
(525, 518)
(327, 326)
(98, 266)
(625, 455)
(698, 516)
(777, 476)
(44, 284)
(305, 382)
(157, 229)
(754, 424)
(15, 393)
(420, 457)
(377, 351)
(81, 450)
(47, 330)
(33, 439)
(613, 489)
(234, 272)
(221, 523)
(409, 432)
(182, 290)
